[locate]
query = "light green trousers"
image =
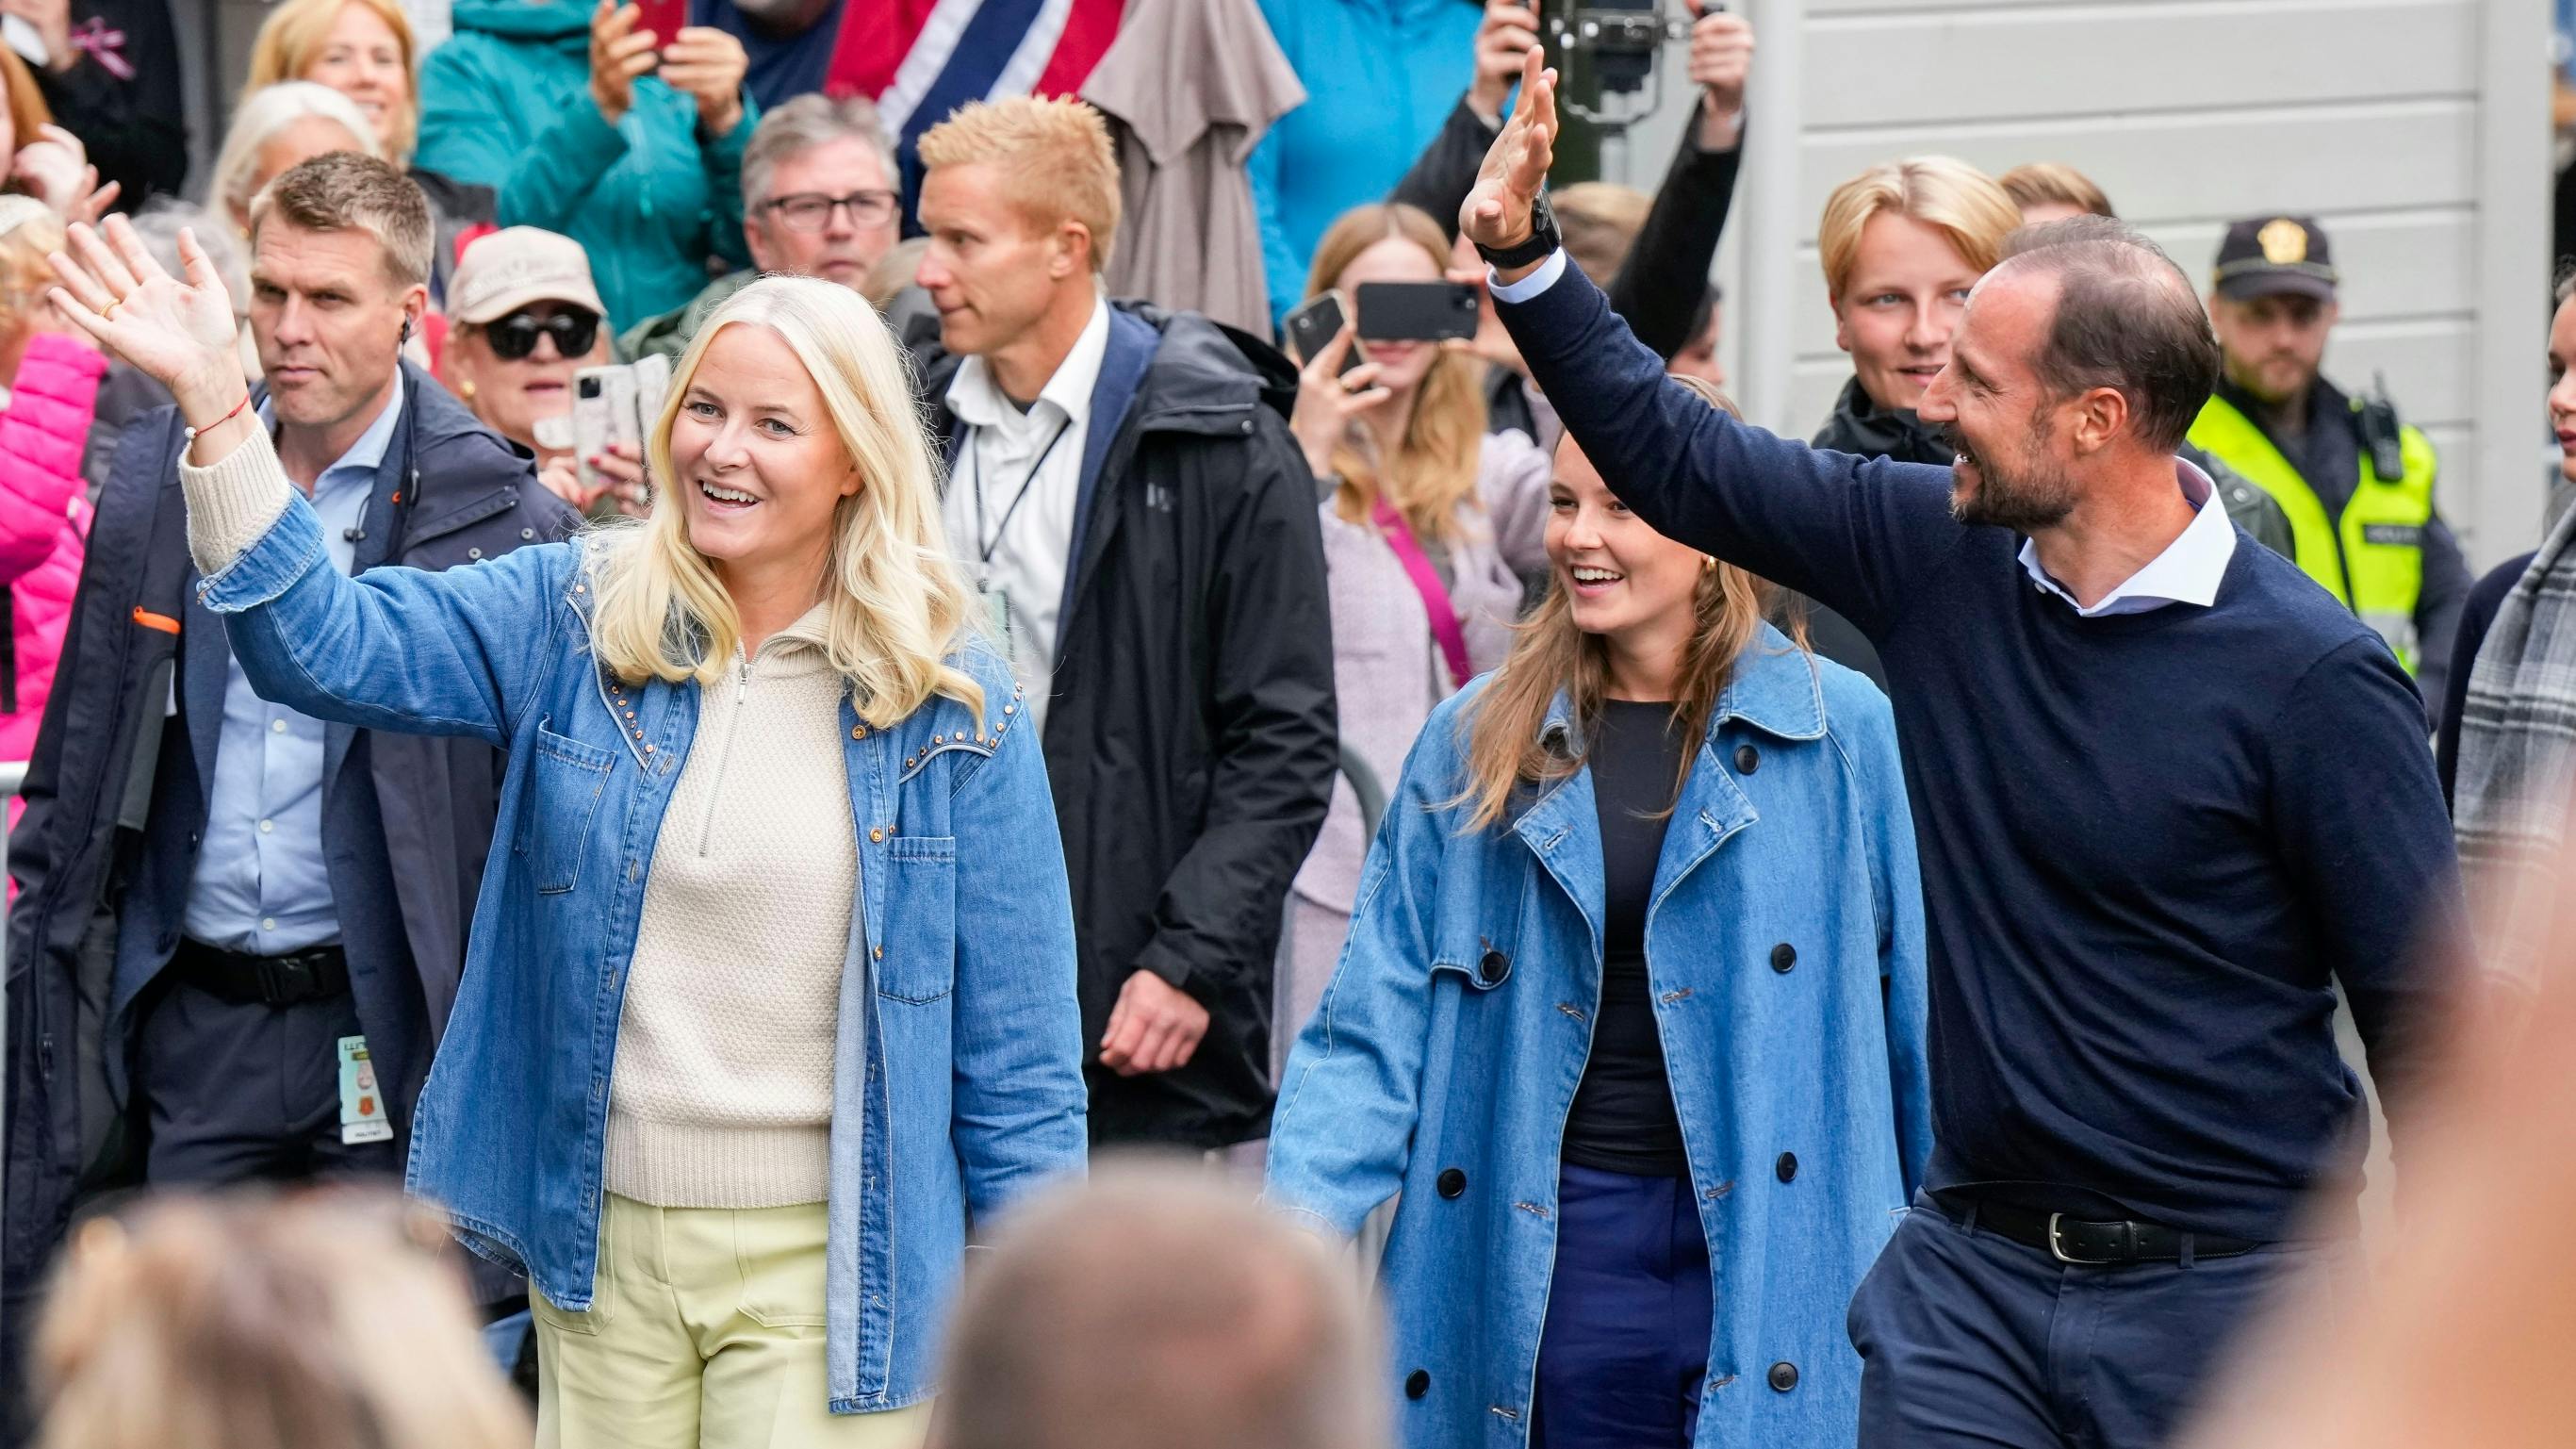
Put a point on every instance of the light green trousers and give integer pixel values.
(705, 1331)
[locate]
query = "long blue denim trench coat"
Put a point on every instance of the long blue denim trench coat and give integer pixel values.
(1785, 947)
(957, 1070)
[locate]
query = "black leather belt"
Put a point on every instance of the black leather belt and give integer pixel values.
(319, 974)
(2088, 1242)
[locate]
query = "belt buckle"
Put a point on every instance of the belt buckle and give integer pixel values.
(288, 979)
(2057, 1247)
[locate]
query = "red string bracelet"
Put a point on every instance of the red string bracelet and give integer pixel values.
(219, 422)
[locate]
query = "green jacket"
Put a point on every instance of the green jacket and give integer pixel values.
(505, 103)
(668, 333)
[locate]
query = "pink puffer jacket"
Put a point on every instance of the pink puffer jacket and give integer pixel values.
(44, 516)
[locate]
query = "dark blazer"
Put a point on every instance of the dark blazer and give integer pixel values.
(117, 794)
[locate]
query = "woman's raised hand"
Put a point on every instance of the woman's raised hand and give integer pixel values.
(177, 331)
(1328, 400)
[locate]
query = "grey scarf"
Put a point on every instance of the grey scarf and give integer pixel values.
(2518, 755)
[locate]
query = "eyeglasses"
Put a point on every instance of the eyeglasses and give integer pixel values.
(514, 335)
(812, 210)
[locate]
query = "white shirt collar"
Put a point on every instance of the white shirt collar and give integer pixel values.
(978, 401)
(2187, 572)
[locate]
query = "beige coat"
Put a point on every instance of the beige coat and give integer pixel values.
(1190, 86)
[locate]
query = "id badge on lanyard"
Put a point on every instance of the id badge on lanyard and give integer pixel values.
(997, 597)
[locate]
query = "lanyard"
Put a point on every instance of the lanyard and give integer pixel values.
(984, 545)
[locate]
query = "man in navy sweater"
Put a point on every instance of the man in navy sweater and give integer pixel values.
(2168, 793)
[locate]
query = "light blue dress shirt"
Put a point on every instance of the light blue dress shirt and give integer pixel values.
(262, 885)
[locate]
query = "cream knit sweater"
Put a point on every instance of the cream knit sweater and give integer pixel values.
(722, 1092)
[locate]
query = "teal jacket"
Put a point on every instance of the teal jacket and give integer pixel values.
(505, 103)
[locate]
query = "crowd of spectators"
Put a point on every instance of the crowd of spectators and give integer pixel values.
(1722, 912)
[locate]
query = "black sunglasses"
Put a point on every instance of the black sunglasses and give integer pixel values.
(514, 335)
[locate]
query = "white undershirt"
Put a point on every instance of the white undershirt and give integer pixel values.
(1015, 546)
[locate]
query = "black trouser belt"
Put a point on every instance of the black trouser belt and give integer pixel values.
(315, 975)
(2090, 1242)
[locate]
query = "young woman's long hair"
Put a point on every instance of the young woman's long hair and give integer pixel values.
(1504, 750)
(1434, 467)
(897, 604)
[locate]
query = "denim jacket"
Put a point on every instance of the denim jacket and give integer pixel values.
(1785, 950)
(957, 1066)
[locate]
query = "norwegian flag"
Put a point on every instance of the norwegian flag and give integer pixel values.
(922, 59)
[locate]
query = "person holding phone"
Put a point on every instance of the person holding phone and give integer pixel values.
(1631, 1022)
(770, 998)
(632, 144)
(525, 319)
(366, 50)
(1430, 524)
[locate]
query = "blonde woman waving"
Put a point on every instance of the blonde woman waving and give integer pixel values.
(770, 989)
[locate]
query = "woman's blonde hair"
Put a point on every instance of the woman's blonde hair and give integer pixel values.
(253, 1322)
(291, 39)
(2039, 183)
(26, 278)
(1952, 197)
(1600, 221)
(1505, 752)
(1434, 467)
(897, 605)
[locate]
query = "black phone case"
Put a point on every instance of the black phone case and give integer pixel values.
(1416, 311)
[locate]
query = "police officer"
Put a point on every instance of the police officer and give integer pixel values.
(2356, 483)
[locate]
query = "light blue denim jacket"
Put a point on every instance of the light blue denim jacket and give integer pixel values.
(1784, 944)
(957, 1069)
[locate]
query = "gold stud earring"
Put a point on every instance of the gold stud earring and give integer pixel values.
(465, 390)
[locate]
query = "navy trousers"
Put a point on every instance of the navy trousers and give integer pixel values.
(243, 1091)
(1624, 1351)
(1970, 1339)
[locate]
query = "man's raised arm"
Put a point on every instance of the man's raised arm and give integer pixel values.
(1848, 532)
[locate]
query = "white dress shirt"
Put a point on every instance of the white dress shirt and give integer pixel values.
(1012, 495)
(2187, 572)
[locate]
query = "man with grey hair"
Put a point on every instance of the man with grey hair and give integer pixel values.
(818, 200)
(243, 927)
(2168, 795)
(1153, 1308)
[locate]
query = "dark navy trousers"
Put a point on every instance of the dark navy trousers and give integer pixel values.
(1970, 1339)
(1624, 1350)
(240, 1092)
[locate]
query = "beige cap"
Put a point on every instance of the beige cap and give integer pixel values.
(502, 272)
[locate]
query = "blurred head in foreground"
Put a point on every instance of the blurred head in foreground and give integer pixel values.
(1152, 1308)
(255, 1322)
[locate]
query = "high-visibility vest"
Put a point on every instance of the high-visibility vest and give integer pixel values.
(2373, 563)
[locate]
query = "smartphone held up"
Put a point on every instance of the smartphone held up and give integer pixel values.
(618, 405)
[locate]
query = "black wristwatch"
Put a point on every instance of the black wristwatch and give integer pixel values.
(1543, 238)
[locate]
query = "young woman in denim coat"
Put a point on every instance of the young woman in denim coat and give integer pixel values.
(1631, 1016)
(770, 990)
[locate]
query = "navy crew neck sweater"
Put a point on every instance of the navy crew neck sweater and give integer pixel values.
(2150, 842)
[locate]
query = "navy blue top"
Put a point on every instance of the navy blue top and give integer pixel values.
(1622, 1118)
(2150, 841)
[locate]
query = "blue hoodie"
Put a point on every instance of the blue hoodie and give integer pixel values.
(1380, 76)
(505, 103)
